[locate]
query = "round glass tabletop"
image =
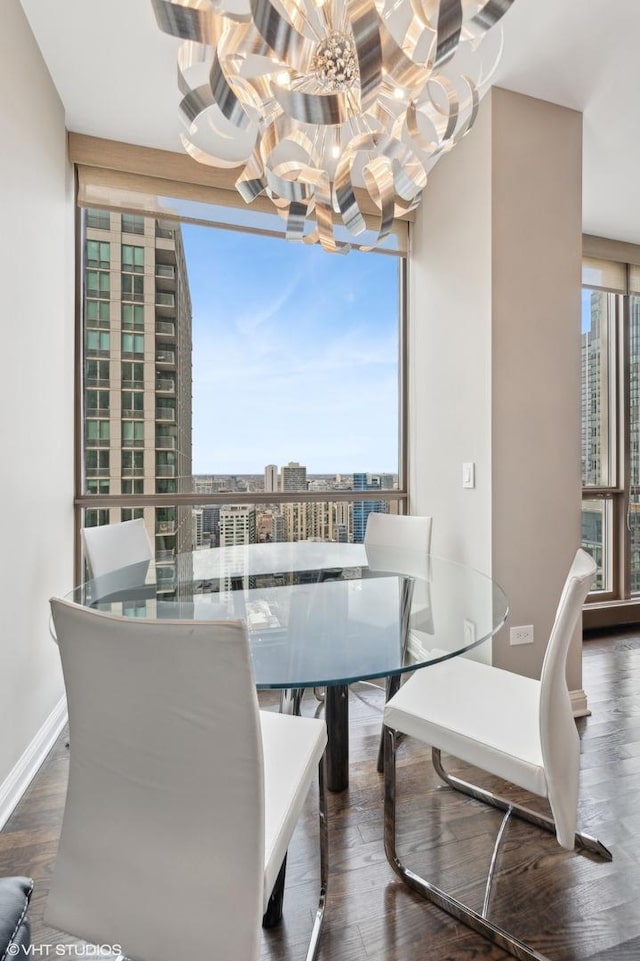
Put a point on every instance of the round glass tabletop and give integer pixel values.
(317, 613)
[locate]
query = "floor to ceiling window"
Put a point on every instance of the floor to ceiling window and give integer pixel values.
(236, 388)
(611, 437)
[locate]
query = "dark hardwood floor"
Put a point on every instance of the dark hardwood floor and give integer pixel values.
(570, 907)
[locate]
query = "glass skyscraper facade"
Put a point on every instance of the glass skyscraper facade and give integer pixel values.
(362, 509)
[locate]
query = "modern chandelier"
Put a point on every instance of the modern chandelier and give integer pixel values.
(332, 108)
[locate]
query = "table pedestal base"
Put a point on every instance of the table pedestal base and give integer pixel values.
(336, 703)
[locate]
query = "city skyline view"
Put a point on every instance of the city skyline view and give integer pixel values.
(342, 477)
(194, 385)
(300, 478)
(295, 354)
(221, 524)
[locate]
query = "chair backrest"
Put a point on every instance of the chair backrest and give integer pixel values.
(558, 733)
(402, 543)
(412, 533)
(162, 846)
(399, 542)
(112, 546)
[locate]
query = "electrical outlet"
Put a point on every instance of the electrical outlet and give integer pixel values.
(521, 635)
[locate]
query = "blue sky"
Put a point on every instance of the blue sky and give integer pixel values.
(294, 355)
(586, 310)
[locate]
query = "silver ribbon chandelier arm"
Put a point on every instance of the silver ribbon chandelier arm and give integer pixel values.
(321, 103)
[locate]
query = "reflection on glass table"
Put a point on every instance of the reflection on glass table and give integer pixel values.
(319, 614)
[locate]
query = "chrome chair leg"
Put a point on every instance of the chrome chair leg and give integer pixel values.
(324, 863)
(477, 922)
(494, 863)
(584, 842)
(273, 914)
(392, 686)
(290, 699)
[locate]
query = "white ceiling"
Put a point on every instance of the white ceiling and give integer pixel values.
(116, 75)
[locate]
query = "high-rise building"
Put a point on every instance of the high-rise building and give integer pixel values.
(264, 525)
(137, 371)
(320, 525)
(278, 528)
(210, 521)
(594, 396)
(295, 520)
(293, 477)
(594, 415)
(343, 520)
(197, 526)
(634, 438)
(271, 478)
(341, 534)
(362, 509)
(237, 525)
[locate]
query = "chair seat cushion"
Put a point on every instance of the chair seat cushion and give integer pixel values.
(478, 713)
(293, 747)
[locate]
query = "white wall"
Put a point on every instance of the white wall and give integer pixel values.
(495, 315)
(537, 258)
(36, 481)
(450, 349)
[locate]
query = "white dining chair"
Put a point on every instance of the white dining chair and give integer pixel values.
(402, 543)
(182, 795)
(407, 531)
(112, 546)
(517, 728)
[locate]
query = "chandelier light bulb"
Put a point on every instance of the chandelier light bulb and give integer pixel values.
(335, 63)
(334, 110)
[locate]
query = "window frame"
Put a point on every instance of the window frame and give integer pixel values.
(617, 606)
(84, 501)
(610, 494)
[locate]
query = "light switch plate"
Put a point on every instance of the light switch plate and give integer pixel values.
(469, 475)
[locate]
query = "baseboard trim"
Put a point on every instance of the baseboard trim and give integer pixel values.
(25, 769)
(579, 704)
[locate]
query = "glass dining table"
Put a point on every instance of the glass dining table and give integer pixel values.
(319, 615)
